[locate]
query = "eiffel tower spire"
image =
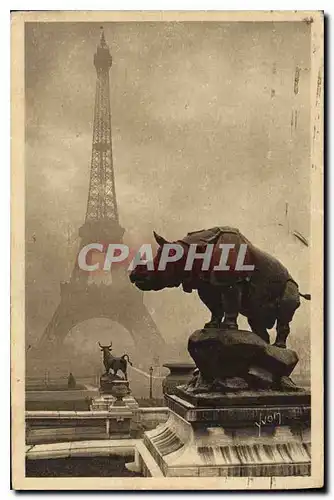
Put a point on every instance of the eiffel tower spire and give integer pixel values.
(102, 203)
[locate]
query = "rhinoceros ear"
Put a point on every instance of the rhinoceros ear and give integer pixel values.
(159, 239)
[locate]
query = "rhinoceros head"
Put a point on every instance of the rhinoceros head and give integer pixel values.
(150, 277)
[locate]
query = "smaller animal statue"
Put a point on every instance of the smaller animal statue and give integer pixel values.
(114, 363)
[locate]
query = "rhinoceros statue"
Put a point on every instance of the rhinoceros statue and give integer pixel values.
(209, 261)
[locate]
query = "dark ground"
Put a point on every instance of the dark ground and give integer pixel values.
(111, 466)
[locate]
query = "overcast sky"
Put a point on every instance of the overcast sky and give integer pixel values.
(202, 136)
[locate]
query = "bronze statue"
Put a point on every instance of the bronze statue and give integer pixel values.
(114, 363)
(265, 295)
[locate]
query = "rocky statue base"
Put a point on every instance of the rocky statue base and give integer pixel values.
(233, 360)
(240, 415)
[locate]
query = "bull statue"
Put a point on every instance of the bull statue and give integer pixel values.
(113, 363)
(260, 289)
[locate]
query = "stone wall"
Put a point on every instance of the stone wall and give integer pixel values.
(60, 426)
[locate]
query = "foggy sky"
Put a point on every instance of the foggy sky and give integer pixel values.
(202, 136)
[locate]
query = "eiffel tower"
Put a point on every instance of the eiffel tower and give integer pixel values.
(83, 297)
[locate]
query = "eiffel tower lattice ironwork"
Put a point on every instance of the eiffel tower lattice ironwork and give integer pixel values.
(81, 297)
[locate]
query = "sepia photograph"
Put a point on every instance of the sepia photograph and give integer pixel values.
(167, 214)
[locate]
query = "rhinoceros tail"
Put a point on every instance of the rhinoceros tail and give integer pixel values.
(127, 356)
(305, 296)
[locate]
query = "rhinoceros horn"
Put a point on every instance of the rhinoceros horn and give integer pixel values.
(159, 239)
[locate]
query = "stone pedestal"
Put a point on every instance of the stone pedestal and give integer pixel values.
(262, 433)
(105, 402)
(114, 385)
(102, 402)
(119, 423)
(115, 398)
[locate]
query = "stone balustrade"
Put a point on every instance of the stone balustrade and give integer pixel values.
(117, 423)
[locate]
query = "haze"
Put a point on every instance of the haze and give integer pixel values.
(204, 134)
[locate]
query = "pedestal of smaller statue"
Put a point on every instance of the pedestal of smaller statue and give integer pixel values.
(114, 385)
(102, 402)
(115, 397)
(114, 389)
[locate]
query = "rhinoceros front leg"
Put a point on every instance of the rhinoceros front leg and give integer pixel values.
(231, 299)
(210, 295)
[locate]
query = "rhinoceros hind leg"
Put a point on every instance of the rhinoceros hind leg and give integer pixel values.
(289, 303)
(283, 331)
(211, 298)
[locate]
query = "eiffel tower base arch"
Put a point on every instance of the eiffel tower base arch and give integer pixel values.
(124, 306)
